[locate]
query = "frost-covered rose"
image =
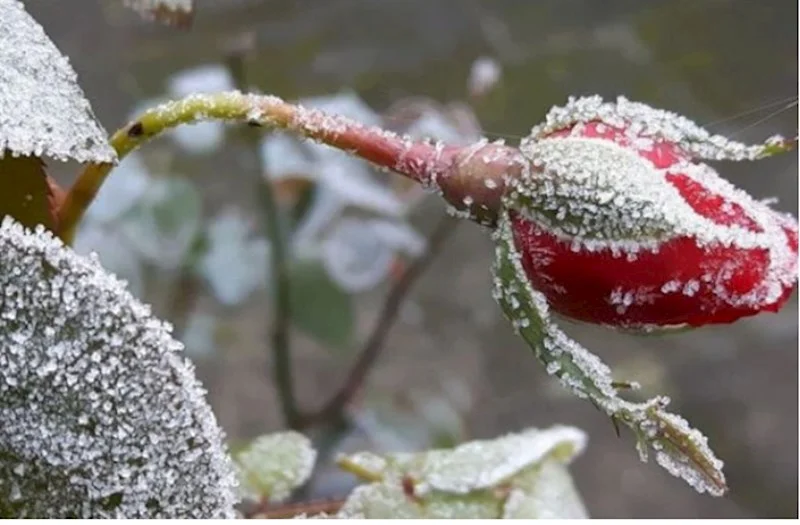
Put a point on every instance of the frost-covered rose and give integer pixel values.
(619, 224)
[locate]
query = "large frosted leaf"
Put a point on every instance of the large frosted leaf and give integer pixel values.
(42, 109)
(520, 475)
(101, 415)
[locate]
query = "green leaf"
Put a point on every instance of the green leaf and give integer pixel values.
(680, 449)
(273, 466)
(319, 307)
(24, 192)
(521, 475)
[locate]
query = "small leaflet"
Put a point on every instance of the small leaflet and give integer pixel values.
(682, 450)
(272, 466)
(43, 111)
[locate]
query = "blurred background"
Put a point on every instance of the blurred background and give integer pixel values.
(182, 223)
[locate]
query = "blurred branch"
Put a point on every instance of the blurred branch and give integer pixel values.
(374, 344)
(280, 336)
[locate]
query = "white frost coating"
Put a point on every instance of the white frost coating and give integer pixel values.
(273, 466)
(102, 416)
(648, 122)
(599, 195)
(681, 449)
(518, 475)
(483, 464)
(42, 109)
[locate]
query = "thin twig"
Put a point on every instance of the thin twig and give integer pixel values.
(375, 342)
(280, 337)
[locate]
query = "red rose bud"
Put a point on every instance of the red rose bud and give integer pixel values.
(619, 224)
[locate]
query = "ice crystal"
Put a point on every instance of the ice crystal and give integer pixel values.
(682, 450)
(102, 416)
(42, 109)
(272, 466)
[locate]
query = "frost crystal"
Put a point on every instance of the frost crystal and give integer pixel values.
(102, 416)
(42, 109)
(271, 467)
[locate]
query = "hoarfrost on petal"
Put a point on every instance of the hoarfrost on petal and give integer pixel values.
(120, 427)
(42, 109)
(273, 466)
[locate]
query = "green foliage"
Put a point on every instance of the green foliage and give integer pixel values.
(319, 307)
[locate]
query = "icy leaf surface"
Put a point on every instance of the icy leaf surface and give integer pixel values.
(682, 450)
(272, 466)
(174, 12)
(519, 475)
(102, 416)
(657, 124)
(42, 109)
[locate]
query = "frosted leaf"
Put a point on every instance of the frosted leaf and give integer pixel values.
(177, 12)
(234, 265)
(484, 464)
(42, 109)
(355, 257)
(390, 501)
(95, 398)
(114, 250)
(166, 221)
(272, 466)
(504, 477)
(355, 186)
(359, 253)
(588, 377)
(656, 123)
(121, 190)
(545, 493)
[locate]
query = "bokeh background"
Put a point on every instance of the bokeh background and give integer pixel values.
(451, 356)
